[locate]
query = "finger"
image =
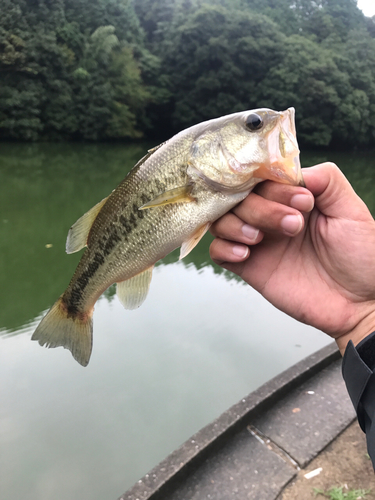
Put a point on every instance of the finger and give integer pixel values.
(293, 196)
(269, 216)
(230, 227)
(228, 251)
(335, 197)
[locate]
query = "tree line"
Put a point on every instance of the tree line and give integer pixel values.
(123, 69)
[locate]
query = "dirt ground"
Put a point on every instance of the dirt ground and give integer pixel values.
(343, 462)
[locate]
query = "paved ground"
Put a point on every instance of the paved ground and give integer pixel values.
(302, 419)
(344, 463)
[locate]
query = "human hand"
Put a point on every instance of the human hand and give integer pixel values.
(315, 263)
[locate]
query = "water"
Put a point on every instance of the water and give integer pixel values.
(200, 342)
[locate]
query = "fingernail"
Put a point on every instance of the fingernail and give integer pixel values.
(292, 224)
(250, 232)
(303, 202)
(240, 251)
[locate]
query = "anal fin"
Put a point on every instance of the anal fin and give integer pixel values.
(188, 245)
(176, 195)
(133, 292)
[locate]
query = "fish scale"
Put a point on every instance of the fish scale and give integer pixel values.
(167, 200)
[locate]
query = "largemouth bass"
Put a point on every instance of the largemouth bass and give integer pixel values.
(168, 200)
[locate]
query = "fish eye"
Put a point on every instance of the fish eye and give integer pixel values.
(254, 122)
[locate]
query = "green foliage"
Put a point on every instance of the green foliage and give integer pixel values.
(66, 73)
(309, 80)
(12, 53)
(217, 60)
(111, 69)
(337, 493)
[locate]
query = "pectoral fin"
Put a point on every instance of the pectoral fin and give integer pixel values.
(193, 241)
(133, 292)
(176, 195)
(79, 232)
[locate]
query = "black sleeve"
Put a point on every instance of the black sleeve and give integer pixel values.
(358, 369)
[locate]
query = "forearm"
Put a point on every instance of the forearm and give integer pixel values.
(359, 332)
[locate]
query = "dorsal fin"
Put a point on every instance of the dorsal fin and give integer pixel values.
(149, 153)
(79, 232)
(152, 150)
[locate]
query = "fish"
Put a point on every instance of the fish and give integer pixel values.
(168, 200)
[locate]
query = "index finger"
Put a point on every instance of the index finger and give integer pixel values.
(296, 197)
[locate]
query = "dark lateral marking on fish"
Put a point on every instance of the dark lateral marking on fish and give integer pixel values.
(98, 257)
(101, 244)
(140, 213)
(72, 306)
(145, 199)
(106, 244)
(113, 238)
(160, 186)
(133, 219)
(129, 223)
(72, 310)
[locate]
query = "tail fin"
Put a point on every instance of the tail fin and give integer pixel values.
(57, 329)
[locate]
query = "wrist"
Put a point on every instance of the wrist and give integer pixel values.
(362, 330)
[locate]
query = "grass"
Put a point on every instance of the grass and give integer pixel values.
(339, 494)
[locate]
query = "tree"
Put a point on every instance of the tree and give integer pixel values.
(110, 69)
(216, 61)
(66, 75)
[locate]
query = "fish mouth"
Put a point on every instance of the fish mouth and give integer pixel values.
(285, 165)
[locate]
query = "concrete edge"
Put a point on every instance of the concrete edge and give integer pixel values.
(195, 449)
(307, 465)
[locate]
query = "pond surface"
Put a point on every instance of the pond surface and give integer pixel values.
(200, 342)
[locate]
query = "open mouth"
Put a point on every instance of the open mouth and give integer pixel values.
(285, 163)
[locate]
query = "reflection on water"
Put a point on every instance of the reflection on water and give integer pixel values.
(43, 190)
(198, 344)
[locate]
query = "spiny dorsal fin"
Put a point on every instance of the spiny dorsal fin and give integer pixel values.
(176, 195)
(188, 245)
(149, 153)
(79, 232)
(133, 292)
(152, 150)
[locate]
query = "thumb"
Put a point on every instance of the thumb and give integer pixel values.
(334, 195)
